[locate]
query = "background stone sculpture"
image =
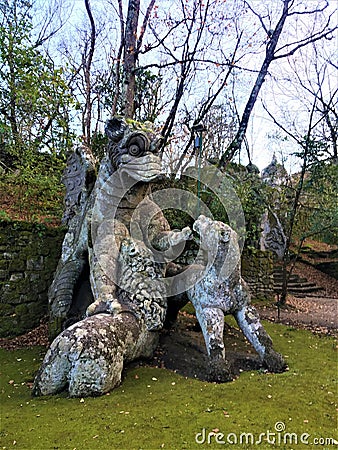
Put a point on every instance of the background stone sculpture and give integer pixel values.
(272, 236)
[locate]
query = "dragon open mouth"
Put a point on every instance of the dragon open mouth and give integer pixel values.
(146, 168)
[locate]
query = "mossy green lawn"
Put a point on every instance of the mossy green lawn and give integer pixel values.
(155, 408)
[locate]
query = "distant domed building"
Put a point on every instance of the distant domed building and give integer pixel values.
(275, 173)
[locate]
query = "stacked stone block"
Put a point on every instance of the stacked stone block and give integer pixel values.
(28, 257)
(257, 271)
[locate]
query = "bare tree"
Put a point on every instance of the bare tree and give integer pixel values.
(196, 48)
(88, 53)
(87, 59)
(320, 84)
(274, 53)
(130, 46)
(192, 57)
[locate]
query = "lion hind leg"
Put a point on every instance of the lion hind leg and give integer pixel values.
(248, 321)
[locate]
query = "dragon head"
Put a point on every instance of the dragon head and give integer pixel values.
(134, 149)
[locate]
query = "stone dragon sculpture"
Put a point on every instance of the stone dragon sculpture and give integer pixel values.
(110, 279)
(100, 217)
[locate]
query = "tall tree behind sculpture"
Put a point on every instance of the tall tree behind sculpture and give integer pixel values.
(131, 44)
(272, 53)
(87, 58)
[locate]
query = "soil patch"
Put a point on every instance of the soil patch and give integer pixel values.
(182, 349)
(36, 337)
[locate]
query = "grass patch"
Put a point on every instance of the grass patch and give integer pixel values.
(155, 408)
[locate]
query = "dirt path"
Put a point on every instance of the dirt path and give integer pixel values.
(317, 314)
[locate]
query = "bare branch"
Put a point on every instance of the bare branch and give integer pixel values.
(309, 12)
(55, 11)
(237, 142)
(160, 41)
(92, 35)
(260, 18)
(186, 68)
(314, 38)
(144, 25)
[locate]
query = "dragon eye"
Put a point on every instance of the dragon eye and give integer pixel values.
(138, 144)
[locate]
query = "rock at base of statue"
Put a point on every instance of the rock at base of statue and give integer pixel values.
(88, 357)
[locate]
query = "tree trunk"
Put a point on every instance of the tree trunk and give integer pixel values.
(87, 62)
(130, 57)
(270, 52)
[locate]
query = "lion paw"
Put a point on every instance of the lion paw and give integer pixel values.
(220, 371)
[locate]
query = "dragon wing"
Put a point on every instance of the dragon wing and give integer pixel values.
(79, 178)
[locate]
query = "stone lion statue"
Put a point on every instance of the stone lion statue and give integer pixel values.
(221, 291)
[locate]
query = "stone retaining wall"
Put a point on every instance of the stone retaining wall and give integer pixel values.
(257, 271)
(28, 257)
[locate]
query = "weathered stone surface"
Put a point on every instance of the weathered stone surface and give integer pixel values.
(117, 247)
(221, 290)
(28, 258)
(89, 356)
